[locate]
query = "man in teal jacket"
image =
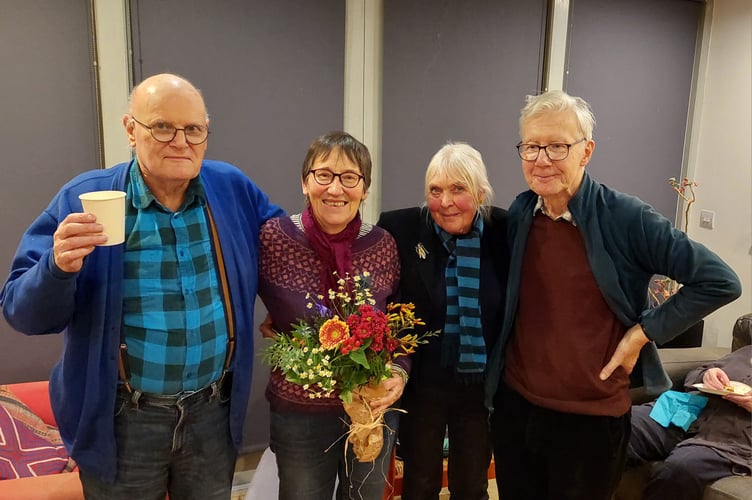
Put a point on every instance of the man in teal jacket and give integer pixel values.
(576, 322)
(141, 390)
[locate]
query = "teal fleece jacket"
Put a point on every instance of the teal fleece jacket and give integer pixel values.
(38, 298)
(627, 242)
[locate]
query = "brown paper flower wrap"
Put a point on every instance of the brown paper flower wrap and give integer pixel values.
(366, 432)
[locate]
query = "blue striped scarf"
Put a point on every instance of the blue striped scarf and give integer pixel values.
(463, 346)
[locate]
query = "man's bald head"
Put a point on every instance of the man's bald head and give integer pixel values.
(157, 86)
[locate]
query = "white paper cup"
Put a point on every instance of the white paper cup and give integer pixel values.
(109, 209)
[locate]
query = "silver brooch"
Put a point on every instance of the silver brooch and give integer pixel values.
(421, 251)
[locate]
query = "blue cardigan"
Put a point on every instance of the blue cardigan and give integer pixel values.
(627, 242)
(38, 298)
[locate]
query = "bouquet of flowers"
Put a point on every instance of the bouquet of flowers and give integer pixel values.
(346, 347)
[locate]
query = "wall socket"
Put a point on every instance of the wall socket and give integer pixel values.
(707, 219)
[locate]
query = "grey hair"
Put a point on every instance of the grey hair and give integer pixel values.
(558, 100)
(461, 162)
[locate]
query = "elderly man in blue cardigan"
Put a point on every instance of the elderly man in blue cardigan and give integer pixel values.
(152, 387)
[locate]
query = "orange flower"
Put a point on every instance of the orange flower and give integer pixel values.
(333, 332)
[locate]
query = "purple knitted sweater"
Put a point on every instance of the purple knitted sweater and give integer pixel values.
(289, 269)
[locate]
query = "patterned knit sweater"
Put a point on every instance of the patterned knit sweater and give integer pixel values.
(289, 269)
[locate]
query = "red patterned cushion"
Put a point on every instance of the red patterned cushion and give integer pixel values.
(28, 446)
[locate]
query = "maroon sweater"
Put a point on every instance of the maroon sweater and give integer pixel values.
(289, 269)
(565, 332)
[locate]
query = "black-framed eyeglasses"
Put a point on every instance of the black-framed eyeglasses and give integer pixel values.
(555, 152)
(324, 177)
(166, 132)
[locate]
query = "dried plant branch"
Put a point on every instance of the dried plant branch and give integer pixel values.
(686, 191)
(661, 289)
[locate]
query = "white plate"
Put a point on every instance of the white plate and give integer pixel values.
(739, 388)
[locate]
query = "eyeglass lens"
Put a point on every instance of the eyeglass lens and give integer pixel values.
(553, 151)
(326, 177)
(166, 132)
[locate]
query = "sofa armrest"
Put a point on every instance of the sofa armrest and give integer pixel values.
(742, 333)
(36, 396)
(51, 487)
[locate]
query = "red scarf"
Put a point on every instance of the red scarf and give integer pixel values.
(333, 249)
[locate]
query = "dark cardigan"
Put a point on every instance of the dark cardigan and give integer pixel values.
(423, 259)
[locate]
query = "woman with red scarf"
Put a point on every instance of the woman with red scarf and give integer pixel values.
(306, 253)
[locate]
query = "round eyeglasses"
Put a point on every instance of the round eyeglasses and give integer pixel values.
(324, 177)
(555, 152)
(166, 132)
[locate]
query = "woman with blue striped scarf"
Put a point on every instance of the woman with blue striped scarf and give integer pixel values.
(454, 260)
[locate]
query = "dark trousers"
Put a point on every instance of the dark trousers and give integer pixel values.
(544, 454)
(682, 472)
(431, 410)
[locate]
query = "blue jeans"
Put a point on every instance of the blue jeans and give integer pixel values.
(184, 449)
(310, 453)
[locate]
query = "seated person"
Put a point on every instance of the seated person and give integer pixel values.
(716, 445)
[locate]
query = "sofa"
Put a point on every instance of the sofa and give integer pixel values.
(62, 486)
(679, 362)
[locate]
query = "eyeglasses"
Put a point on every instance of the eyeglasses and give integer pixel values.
(555, 152)
(166, 132)
(324, 177)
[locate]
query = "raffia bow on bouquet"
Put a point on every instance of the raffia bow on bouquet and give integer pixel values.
(346, 347)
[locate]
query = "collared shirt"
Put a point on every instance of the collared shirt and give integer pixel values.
(566, 216)
(173, 314)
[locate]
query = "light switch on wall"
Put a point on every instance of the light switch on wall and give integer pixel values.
(707, 219)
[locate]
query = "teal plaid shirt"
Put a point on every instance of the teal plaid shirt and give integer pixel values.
(173, 315)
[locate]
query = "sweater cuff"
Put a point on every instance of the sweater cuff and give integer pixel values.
(404, 362)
